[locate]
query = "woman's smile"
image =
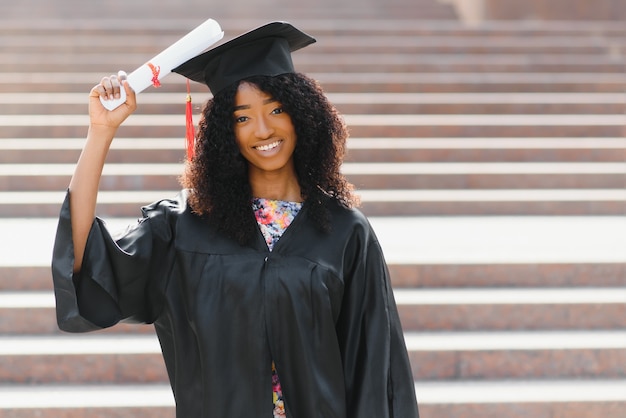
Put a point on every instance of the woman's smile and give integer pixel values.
(269, 146)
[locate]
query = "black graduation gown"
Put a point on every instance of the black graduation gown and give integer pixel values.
(319, 305)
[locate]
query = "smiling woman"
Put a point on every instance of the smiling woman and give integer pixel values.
(267, 288)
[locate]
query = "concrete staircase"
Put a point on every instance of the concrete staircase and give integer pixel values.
(490, 160)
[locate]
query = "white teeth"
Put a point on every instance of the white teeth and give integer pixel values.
(268, 147)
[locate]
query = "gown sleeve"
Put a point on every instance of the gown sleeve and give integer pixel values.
(117, 280)
(379, 380)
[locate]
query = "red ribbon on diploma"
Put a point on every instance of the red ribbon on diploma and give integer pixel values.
(155, 74)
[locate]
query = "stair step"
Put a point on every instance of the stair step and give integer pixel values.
(447, 399)
(254, 10)
(420, 297)
(352, 120)
(403, 203)
(357, 103)
(502, 309)
(533, 274)
(85, 396)
(344, 44)
(96, 344)
(397, 128)
(361, 125)
(347, 98)
(180, 20)
(517, 355)
(436, 64)
(415, 275)
(518, 340)
(405, 240)
(423, 309)
(511, 296)
(119, 358)
(120, 177)
(522, 391)
(362, 181)
(539, 409)
(512, 317)
(375, 78)
(409, 149)
(373, 107)
(349, 168)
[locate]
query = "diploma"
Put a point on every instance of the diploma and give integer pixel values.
(151, 73)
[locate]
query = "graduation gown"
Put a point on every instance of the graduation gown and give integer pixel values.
(319, 305)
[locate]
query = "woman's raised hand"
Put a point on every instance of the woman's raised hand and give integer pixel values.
(109, 88)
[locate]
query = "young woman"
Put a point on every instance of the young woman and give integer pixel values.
(268, 290)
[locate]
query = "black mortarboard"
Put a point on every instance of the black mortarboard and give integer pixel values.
(265, 50)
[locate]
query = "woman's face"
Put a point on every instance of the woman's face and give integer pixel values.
(264, 132)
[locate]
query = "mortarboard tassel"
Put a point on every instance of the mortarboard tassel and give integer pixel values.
(190, 130)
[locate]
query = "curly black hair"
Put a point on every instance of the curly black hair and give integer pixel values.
(217, 175)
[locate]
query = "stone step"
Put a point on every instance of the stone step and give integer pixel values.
(576, 398)
(550, 247)
(392, 74)
(154, 97)
(155, 31)
(420, 309)
(61, 126)
(420, 83)
(129, 40)
(135, 359)
(353, 103)
(147, 45)
(415, 176)
(393, 129)
(544, 55)
(254, 9)
(529, 149)
(437, 64)
(426, 182)
(534, 274)
(512, 309)
(372, 107)
(417, 275)
(443, 203)
(353, 120)
(410, 149)
(181, 20)
(482, 203)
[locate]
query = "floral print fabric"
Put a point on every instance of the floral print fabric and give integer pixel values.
(277, 395)
(273, 217)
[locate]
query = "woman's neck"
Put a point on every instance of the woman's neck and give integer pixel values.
(275, 186)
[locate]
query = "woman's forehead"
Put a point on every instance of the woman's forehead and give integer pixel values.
(249, 93)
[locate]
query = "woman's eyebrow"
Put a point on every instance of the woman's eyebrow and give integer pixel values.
(266, 101)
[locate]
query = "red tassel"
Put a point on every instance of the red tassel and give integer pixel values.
(190, 134)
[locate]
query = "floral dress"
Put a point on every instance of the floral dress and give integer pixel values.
(273, 217)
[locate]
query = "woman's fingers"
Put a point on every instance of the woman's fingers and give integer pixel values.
(109, 87)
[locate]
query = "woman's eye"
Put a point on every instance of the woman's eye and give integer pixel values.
(277, 111)
(241, 119)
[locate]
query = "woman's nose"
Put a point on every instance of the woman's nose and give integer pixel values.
(263, 128)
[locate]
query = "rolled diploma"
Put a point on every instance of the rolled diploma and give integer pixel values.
(189, 46)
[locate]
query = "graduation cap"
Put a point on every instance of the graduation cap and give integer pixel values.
(265, 50)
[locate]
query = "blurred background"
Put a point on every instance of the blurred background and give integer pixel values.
(487, 143)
